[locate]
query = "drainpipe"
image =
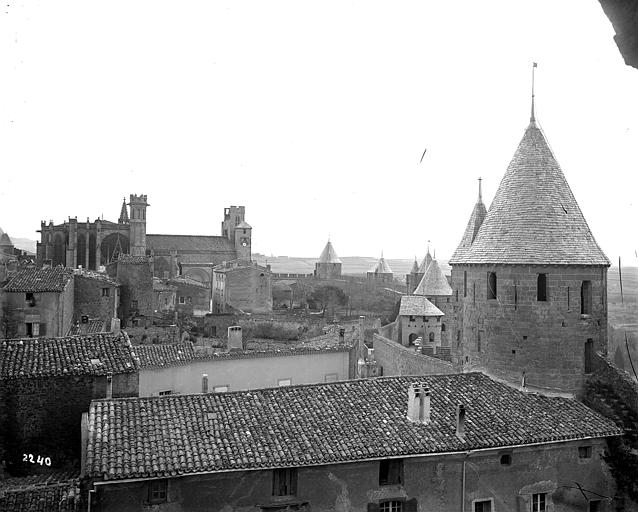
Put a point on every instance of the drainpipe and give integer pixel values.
(467, 454)
(91, 494)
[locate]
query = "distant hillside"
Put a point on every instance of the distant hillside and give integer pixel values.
(24, 244)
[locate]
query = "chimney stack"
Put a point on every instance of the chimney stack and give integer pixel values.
(461, 412)
(204, 383)
(419, 403)
(235, 338)
(109, 385)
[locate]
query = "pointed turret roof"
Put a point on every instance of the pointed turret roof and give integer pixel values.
(426, 262)
(329, 255)
(123, 213)
(380, 267)
(434, 282)
(471, 230)
(534, 217)
(415, 267)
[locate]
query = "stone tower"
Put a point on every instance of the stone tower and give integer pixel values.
(329, 264)
(530, 279)
(243, 240)
(137, 224)
(233, 216)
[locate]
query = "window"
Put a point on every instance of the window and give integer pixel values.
(133, 304)
(431, 337)
(30, 299)
(541, 287)
(157, 491)
(465, 283)
(331, 377)
(182, 300)
(189, 300)
(391, 472)
(442, 327)
(585, 298)
(538, 502)
(167, 392)
(589, 348)
(483, 506)
(106, 292)
(284, 382)
(391, 506)
(584, 452)
(284, 482)
(411, 318)
(506, 459)
(220, 389)
(595, 506)
(491, 285)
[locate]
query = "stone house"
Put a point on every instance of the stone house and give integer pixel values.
(241, 286)
(192, 297)
(45, 386)
(419, 318)
(164, 296)
(136, 289)
(178, 368)
(38, 302)
(390, 444)
(96, 302)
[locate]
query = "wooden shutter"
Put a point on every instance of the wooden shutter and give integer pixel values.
(410, 505)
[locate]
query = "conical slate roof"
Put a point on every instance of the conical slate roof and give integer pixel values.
(415, 267)
(471, 230)
(5, 241)
(534, 218)
(433, 282)
(380, 267)
(425, 263)
(329, 255)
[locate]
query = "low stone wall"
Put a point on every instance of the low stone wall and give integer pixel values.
(395, 359)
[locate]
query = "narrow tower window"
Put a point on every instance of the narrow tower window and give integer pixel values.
(589, 347)
(585, 298)
(491, 285)
(465, 283)
(541, 287)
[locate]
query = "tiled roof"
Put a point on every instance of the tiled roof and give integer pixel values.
(380, 267)
(418, 305)
(98, 276)
(433, 282)
(415, 267)
(177, 354)
(40, 280)
(183, 280)
(159, 285)
(187, 243)
(129, 259)
(329, 255)
(93, 327)
(57, 497)
(44, 357)
(534, 218)
(321, 424)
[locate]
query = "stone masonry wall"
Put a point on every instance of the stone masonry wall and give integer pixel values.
(137, 285)
(515, 333)
(89, 300)
(395, 359)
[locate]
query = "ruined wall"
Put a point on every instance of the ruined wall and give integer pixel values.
(429, 483)
(249, 289)
(515, 333)
(395, 359)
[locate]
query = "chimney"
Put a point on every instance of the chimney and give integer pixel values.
(419, 403)
(204, 383)
(461, 412)
(109, 385)
(235, 338)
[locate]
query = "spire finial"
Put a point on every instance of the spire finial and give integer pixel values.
(532, 118)
(480, 189)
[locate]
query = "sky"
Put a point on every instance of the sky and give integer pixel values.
(314, 115)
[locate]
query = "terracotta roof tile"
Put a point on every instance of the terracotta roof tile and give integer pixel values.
(433, 282)
(40, 280)
(534, 218)
(97, 354)
(57, 497)
(418, 305)
(321, 424)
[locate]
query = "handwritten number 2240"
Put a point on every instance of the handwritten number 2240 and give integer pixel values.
(40, 460)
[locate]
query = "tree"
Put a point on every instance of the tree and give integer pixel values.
(327, 296)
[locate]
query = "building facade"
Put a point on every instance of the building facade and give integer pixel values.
(242, 286)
